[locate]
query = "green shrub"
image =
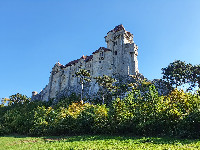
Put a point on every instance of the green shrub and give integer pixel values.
(101, 119)
(43, 121)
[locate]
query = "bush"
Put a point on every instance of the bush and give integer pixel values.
(142, 112)
(43, 121)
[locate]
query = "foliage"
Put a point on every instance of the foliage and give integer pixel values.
(43, 120)
(179, 73)
(18, 98)
(84, 76)
(106, 84)
(142, 112)
(66, 101)
(195, 76)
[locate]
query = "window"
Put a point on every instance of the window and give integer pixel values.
(131, 54)
(115, 43)
(99, 61)
(72, 75)
(115, 52)
(101, 54)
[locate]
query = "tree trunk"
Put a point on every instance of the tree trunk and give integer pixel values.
(82, 92)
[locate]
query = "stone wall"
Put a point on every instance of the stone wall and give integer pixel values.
(118, 59)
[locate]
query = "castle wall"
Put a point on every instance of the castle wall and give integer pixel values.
(118, 59)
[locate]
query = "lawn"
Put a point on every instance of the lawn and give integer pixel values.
(94, 142)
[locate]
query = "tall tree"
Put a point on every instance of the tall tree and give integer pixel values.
(195, 76)
(175, 73)
(84, 76)
(179, 73)
(106, 84)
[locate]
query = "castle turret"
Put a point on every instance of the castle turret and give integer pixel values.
(124, 51)
(34, 93)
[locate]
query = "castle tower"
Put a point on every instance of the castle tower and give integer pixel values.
(124, 51)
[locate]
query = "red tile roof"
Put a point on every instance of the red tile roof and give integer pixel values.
(72, 62)
(105, 49)
(88, 58)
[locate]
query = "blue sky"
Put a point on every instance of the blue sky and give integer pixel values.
(34, 35)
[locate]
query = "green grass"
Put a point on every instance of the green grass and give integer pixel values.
(94, 142)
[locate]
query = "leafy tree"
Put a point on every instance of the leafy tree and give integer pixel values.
(18, 98)
(195, 76)
(106, 84)
(177, 73)
(84, 76)
(3, 101)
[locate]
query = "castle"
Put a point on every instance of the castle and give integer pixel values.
(118, 59)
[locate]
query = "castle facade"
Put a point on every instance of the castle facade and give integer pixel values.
(118, 59)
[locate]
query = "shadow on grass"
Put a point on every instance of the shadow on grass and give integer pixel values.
(136, 140)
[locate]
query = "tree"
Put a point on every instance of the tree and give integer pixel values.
(195, 76)
(179, 73)
(106, 84)
(84, 76)
(18, 98)
(176, 73)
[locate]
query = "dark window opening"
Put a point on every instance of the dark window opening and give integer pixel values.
(131, 54)
(99, 61)
(115, 52)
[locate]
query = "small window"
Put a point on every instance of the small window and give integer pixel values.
(72, 75)
(99, 61)
(115, 52)
(131, 54)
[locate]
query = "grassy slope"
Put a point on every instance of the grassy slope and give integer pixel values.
(94, 142)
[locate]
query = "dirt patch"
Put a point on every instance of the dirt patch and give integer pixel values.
(28, 141)
(53, 139)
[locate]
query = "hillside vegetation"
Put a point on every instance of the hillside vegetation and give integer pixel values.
(143, 112)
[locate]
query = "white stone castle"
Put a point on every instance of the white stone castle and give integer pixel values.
(118, 59)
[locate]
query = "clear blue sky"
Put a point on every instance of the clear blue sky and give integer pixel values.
(35, 34)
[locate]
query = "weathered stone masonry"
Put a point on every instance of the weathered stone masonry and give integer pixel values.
(118, 59)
